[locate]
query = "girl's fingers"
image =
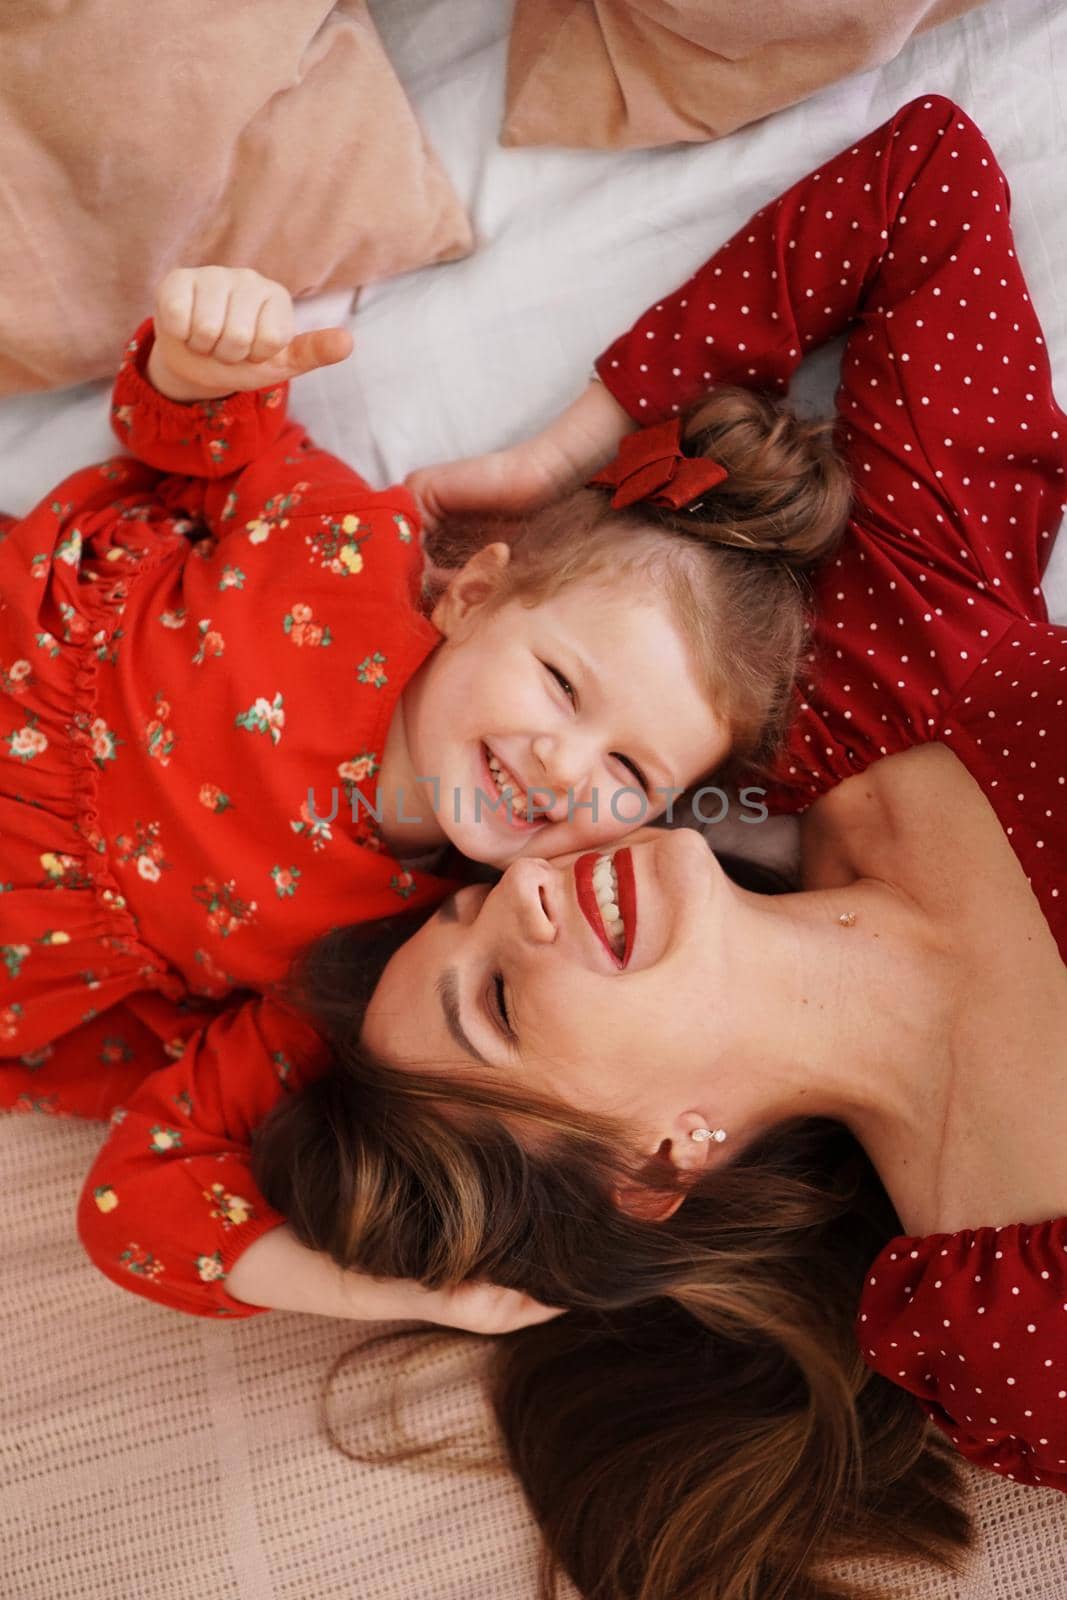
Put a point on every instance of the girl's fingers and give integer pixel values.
(174, 304)
(250, 300)
(248, 291)
(320, 348)
(211, 297)
(274, 325)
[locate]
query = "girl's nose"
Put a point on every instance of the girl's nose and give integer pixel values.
(566, 764)
(468, 901)
(524, 902)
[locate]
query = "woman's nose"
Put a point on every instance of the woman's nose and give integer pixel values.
(523, 902)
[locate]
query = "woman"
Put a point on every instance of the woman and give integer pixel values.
(707, 1421)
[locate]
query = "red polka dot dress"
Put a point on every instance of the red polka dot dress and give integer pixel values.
(931, 626)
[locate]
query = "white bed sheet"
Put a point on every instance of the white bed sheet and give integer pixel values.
(573, 244)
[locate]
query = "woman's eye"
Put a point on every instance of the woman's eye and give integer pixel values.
(631, 766)
(565, 685)
(500, 1006)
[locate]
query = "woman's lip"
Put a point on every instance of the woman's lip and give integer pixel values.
(512, 816)
(622, 861)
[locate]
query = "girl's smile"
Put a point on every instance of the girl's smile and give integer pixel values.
(547, 727)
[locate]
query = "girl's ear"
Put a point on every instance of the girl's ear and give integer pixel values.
(476, 582)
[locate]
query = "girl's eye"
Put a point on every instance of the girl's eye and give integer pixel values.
(631, 766)
(499, 1007)
(568, 688)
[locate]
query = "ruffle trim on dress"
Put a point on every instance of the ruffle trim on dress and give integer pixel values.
(103, 604)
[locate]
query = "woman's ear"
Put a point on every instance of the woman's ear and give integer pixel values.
(476, 582)
(647, 1205)
(679, 1156)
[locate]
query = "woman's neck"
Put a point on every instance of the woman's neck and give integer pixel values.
(843, 1001)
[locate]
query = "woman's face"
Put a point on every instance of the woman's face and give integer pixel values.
(536, 985)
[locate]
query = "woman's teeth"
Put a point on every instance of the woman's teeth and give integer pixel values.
(606, 889)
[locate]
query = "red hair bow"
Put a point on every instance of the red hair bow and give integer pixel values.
(651, 465)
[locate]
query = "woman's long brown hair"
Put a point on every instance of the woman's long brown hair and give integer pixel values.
(701, 1426)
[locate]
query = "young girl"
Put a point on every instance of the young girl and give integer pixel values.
(225, 724)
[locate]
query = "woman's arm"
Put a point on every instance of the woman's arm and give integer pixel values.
(949, 423)
(533, 472)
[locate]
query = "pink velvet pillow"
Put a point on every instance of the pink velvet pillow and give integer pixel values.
(617, 73)
(265, 133)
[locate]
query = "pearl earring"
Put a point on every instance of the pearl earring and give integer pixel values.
(702, 1135)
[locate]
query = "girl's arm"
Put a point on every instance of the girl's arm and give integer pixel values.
(277, 1271)
(171, 1212)
(201, 396)
(170, 1204)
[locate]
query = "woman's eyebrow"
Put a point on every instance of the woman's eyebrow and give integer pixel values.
(448, 993)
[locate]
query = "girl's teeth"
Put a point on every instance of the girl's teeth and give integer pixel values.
(508, 791)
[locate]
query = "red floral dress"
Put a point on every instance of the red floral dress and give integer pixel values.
(201, 648)
(931, 626)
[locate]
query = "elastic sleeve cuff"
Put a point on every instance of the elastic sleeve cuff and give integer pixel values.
(226, 1305)
(202, 438)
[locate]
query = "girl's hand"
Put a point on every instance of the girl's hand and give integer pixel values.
(475, 1307)
(527, 475)
(223, 329)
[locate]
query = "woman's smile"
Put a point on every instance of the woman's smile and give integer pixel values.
(607, 895)
(548, 940)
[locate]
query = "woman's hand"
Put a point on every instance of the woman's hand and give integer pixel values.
(475, 1307)
(223, 329)
(529, 474)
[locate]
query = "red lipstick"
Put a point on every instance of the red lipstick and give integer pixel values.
(622, 861)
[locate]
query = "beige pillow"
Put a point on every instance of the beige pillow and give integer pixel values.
(135, 137)
(618, 73)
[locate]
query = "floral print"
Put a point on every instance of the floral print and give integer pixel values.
(285, 880)
(211, 641)
(372, 670)
(336, 545)
(211, 796)
(303, 629)
(264, 716)
(226, 911)
(144, 850)
(169, 616)
(159, 738)
(27, 742)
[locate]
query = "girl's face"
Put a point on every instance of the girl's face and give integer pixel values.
(559, 726)
(525, 982)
